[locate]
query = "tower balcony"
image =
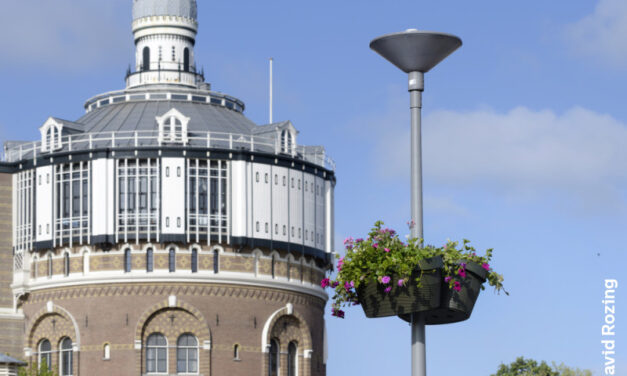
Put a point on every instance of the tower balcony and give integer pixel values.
(164, 76)
(150, 139)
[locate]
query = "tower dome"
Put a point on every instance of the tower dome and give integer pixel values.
(181, 8)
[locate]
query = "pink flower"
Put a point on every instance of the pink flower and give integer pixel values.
(388, 289)
(400, 282)
(386, 249)
(347, 286)
(375, 246)
(325, 283)
(457, 286)
(486, 266)
(385, 280)
(335, 284)
(359, 240)
(337, 313)
(339, 264)
(348, 240)
(462, 273)
(448, 279)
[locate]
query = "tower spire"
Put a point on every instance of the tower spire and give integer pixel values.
(165, 34)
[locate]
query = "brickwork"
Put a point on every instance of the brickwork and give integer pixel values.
(229, 261)
(6, 242)
(11, 328)
(219, 316)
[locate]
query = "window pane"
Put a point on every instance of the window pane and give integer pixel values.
(162, 365)
(45, 346)
(193, 363)
(180, 366)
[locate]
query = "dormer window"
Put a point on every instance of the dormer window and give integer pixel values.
(51, 136)
(173, 127)
(287, 142)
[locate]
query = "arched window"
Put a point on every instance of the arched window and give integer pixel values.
(236, 352)
(156, 354)
(66, 264)
(150, 261)
(287, 142)
(146, 59)
(172, 260)
(51, 137)
(66, 361)
(106, 352)
(173, 127)
(186, 59)
(187, 354)
(45, 354)
(291, 359)
(49, 266)
(216, 261)
(194, 260)
(273, 358)
(127, 260)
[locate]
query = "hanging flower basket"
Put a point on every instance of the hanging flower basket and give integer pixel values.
(388, 277)
(403, 300)
(456, 306)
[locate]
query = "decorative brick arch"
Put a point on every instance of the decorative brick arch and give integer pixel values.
(47, 313)
(287, 325)
(53, 323)
(172, 318)
(288, 310)
(166, 305)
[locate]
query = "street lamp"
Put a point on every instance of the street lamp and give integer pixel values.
(416, 52)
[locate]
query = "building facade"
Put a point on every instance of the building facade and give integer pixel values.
(163, 232)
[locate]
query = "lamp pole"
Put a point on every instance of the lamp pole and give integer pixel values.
(416, 52)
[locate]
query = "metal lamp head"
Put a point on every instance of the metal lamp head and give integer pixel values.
(415, 51)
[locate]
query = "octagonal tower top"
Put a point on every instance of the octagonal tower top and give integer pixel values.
(180, 8)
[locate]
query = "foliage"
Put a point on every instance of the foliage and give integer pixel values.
(383, 258)
(530, 367)
(567, 371)
(33, 371)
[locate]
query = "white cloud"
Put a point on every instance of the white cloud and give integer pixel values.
(578, 155)
(63, 34)
(601, 35)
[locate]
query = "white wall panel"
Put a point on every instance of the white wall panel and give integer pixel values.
(320, 215)
(296, 206)
(43, 194)
(262, 199)
(310, 210)
(238, 203)
(330, 217)
(279, 203)
(173, 196)
(103, 202)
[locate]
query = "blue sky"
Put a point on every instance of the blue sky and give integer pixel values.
(524, 137)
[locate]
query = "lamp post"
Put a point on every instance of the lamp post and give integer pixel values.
(415, 53)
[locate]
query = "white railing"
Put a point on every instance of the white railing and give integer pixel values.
(162, 76)
(144, 139)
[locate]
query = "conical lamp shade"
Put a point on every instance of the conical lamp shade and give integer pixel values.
(415, 51)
